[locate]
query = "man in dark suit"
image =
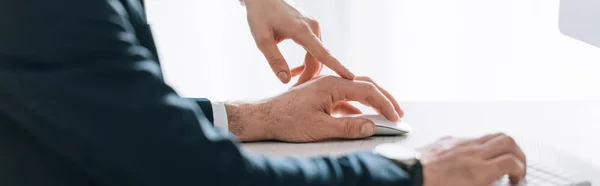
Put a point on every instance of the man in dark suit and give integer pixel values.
(82, 102)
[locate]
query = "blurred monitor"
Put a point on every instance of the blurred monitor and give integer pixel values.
(580, 19)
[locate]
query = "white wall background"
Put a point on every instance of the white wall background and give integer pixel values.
(449, 50)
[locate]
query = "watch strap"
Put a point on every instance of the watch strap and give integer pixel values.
(415, 171)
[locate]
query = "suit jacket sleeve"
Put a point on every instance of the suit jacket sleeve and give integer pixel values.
(206, 107)
(75, 77)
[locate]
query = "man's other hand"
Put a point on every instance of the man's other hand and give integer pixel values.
(272, 21)
(304, 113)
(477, 162)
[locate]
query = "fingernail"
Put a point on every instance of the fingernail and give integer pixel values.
(366, 129)
(282, 76)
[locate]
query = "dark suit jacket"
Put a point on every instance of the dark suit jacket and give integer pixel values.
(82, 102)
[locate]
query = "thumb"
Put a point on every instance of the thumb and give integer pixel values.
(352, 127)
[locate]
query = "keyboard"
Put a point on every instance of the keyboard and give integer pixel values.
(539, 175)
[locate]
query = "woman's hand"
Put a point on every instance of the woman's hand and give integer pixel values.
(272, 21)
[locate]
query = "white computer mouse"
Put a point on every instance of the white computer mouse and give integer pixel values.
(385, 126)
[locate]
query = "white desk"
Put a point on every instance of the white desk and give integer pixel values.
(569, 126)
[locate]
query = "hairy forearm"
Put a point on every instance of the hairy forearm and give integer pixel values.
(249, 121)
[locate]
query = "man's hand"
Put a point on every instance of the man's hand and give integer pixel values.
(272, 21)
(478, 162)
(304, 113)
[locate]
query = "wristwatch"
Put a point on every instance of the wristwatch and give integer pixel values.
(406, 158)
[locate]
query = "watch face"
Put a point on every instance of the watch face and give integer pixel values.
(396, 151)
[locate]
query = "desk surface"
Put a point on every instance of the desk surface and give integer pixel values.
(568, 126)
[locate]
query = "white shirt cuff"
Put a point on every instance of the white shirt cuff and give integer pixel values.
(220, 115)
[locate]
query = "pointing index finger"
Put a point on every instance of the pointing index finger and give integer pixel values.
(313, 45)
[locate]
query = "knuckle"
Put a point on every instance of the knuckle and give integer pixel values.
(301, 28)
(313, 23)
(509, 140)
(347, 128)
(328, 79)
(328, 85)
(370, 87)
(500, 134)
(263, 40)
(366, 78)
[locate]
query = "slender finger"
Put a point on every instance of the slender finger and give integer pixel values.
(345, 90)
(313, 44)
(297, 70)
(506, 164)
(317, 30)
(369, 105)
(386, 93)
(268, 46)
(311, 68)
(374, 108)
(345, 108)
(320, 68)
(311, 63)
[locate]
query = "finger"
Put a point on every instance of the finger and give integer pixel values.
(507, 164)
(311, 68)
(345, 108)
(369, 105)
(345, 90)
(502, 144)
(297, 70)
(312, 65)
(317, 31)
(320, 68)
(313, 44)
(349, 127)
(268, 46)
(386, 93)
